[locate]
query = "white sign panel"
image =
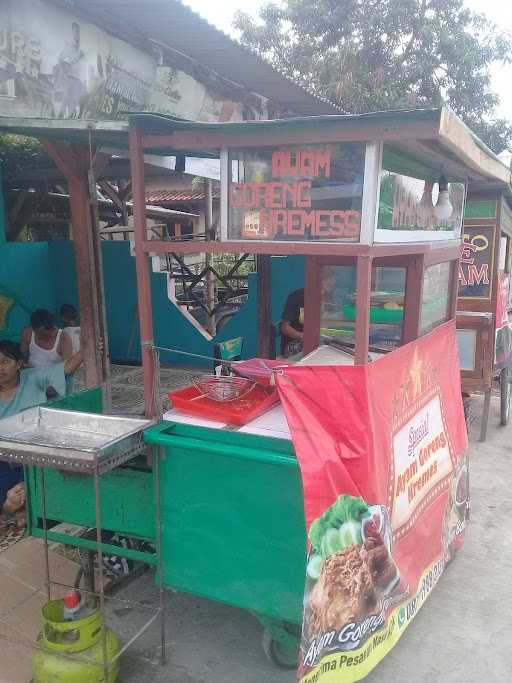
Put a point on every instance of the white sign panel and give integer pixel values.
(421, 452)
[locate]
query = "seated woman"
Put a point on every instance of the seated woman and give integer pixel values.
(21, 389)
(43, 344)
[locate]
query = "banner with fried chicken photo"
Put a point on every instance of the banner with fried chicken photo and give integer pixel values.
(382, 451)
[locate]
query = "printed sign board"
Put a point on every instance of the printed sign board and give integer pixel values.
(382, 451)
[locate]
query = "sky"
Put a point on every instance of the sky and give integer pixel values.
(500, 11)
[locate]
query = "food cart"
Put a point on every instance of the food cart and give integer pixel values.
(484, 299)
(377, 201)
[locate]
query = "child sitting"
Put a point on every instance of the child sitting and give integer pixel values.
(69, 316)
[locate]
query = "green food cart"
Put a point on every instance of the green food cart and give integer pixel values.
(232, 518)
(347, 192)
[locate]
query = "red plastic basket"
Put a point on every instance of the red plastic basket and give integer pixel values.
(239, 412)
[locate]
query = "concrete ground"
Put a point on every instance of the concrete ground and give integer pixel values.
(463, 633)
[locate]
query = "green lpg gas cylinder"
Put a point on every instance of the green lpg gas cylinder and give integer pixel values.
(81, 639)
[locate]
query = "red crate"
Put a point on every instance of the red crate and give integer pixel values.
(239, 412)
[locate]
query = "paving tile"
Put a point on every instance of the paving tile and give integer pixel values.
(26, 618)
(16, 662)
(13, 593)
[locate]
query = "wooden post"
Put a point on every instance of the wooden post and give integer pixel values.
(312, 305)
(485, 415)
(454, 290)
(364, 280)
(264, 305)
(412, 299)
(210, 277)
(73, 163)
(96, 250)
(86, 275)
(142, 267)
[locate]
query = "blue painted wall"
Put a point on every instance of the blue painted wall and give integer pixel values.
(2, 209)
(42, 275)
(25, 277)
(171, 329)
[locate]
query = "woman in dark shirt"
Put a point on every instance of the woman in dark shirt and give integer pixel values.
(292, 324)
(292, 321)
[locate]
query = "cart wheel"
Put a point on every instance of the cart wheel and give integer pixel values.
(505, 396)
(278, 654)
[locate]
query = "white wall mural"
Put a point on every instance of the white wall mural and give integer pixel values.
(55, 64)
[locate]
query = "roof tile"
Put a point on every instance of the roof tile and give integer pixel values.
(171, 196)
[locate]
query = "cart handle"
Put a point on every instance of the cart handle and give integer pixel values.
(160, 437)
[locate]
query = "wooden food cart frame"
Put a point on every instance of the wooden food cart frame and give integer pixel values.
(435, 138)
(486, 261)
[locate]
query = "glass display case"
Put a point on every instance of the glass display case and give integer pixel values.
(338, 305)
(299, 193)
(417, 201)
(377, 197)
(435, 298)
(345, 192)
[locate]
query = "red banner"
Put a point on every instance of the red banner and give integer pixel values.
(502, 300)
(503, 345)
(382, 453)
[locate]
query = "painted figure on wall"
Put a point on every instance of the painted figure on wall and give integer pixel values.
(70, 89)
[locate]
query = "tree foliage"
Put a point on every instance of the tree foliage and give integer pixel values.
(370, 55)
(18, 152)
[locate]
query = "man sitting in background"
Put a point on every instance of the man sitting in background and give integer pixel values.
(43, 344)
(292, 321)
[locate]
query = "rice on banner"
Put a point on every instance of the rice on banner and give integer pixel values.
(382, 451)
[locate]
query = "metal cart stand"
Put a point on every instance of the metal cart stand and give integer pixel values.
(87, 444)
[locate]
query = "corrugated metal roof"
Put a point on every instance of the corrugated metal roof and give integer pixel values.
(115, 133)
(171, 196)
(444, 139)
(172, 23)
(166, 124)
(112, 134)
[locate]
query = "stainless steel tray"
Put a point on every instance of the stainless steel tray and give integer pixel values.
(66, 440)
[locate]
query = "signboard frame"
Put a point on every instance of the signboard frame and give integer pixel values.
(469, 255)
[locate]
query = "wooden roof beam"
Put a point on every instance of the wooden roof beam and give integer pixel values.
(349, 132)
(349, 249)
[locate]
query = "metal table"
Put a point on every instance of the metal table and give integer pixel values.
(88, 444)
